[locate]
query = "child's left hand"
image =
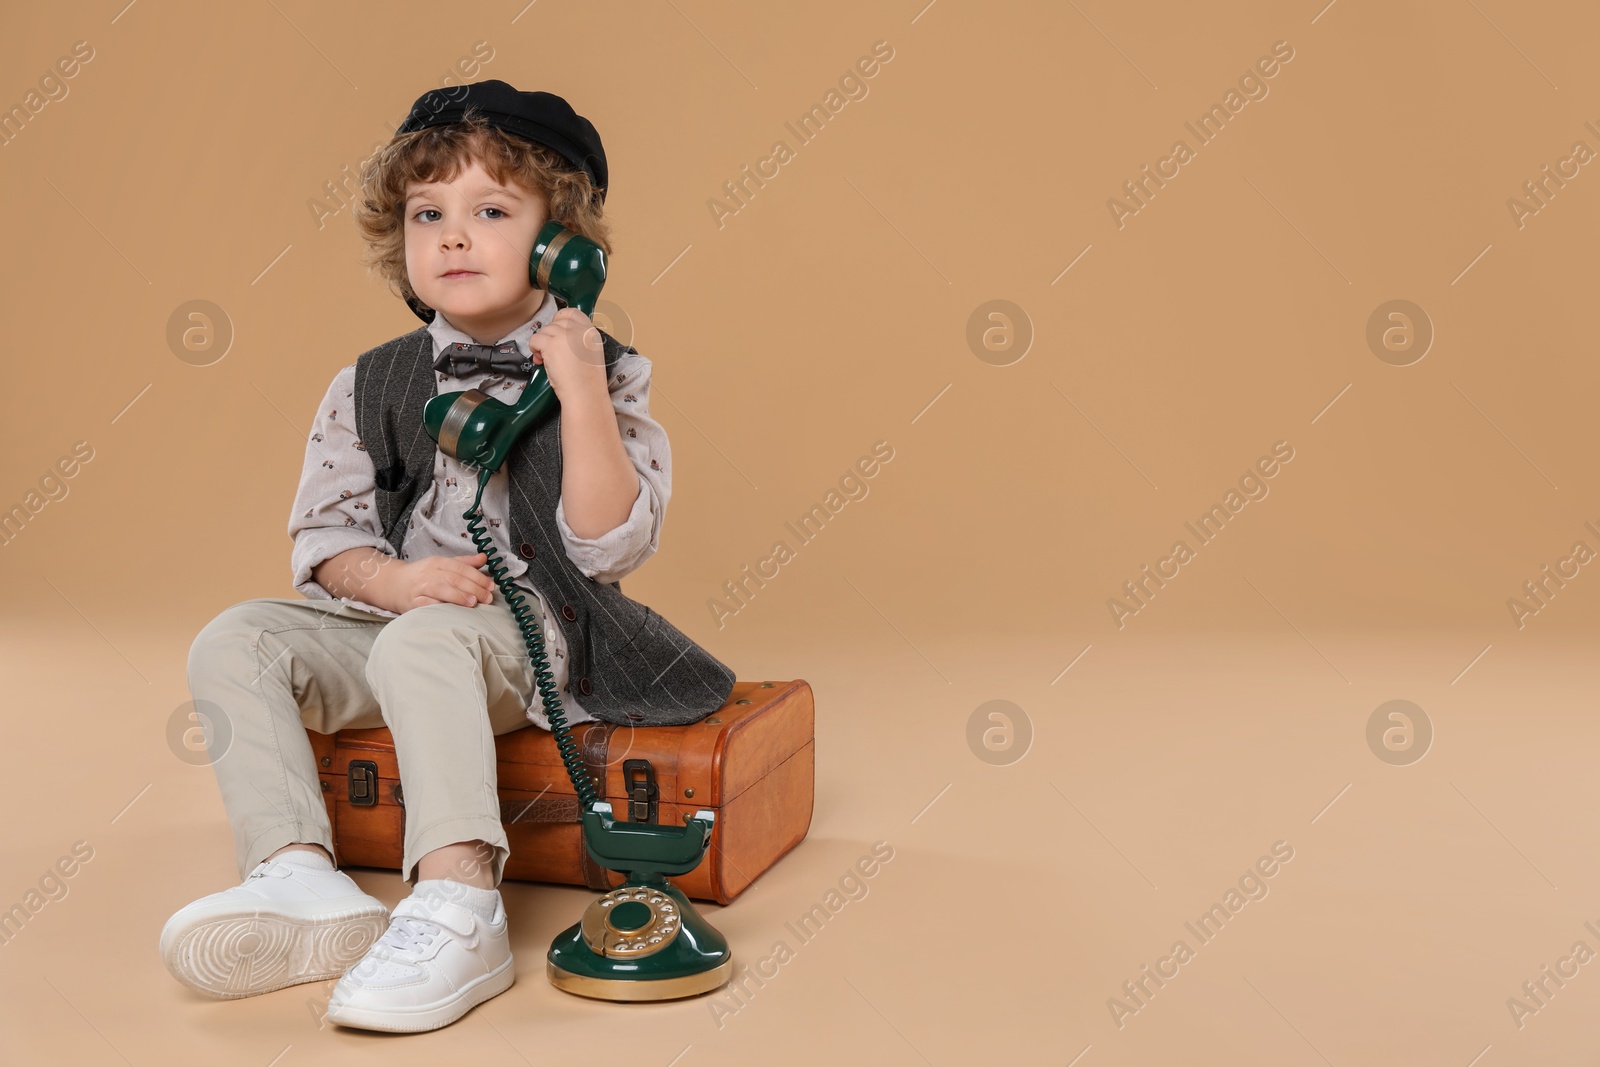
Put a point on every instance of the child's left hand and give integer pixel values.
(570, 349)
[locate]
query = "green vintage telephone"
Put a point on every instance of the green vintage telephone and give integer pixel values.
(642, 940)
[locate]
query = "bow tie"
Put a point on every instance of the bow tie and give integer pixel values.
(459, 359)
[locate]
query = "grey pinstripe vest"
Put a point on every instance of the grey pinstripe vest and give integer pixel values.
(627, 664)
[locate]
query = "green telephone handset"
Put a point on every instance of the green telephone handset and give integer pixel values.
(475, 428)
(643, 940)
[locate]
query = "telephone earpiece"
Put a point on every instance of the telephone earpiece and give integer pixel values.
(569, 265)
(475, 428)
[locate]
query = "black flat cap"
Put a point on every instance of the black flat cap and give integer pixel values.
(543, 118)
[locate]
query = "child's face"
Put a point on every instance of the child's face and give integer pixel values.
(467, 247)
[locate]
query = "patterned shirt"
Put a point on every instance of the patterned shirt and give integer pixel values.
(333, 507)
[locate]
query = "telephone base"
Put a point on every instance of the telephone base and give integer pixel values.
(636, 989)
(641, 941)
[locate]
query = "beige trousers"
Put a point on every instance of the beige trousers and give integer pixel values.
(444, 678)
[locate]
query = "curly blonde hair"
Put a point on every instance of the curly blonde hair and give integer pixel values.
(438, 153)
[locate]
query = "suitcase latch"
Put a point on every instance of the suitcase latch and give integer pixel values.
(363, 783)
(639, 778)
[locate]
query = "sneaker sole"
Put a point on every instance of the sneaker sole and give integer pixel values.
(427, 1016)
(241, 951)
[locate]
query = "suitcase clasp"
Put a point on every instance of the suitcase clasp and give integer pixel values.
(363, 783)
(639, 779)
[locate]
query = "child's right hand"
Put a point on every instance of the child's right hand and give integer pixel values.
(442, 580)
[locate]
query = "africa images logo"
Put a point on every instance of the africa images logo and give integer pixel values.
(1252, 87)
(1252, 487)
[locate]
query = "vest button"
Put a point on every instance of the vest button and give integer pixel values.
(568, 614)
(584, 686)
(525, 550)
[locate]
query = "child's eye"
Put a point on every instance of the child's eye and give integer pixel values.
(425, 211)
(497, 216)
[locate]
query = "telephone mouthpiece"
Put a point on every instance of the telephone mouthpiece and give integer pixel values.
(465, 426)
(473, 427)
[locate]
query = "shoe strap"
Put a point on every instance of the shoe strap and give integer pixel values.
(447, 913)
(270, 868)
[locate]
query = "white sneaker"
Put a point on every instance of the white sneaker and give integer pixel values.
(437, 961)
(283, 925)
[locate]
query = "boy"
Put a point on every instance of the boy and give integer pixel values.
(403, 629)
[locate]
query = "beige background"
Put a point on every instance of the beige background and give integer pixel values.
(829, 313)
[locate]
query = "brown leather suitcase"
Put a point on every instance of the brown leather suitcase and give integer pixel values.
(751, 762)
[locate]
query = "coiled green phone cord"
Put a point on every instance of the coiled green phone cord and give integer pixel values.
(534, 639)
